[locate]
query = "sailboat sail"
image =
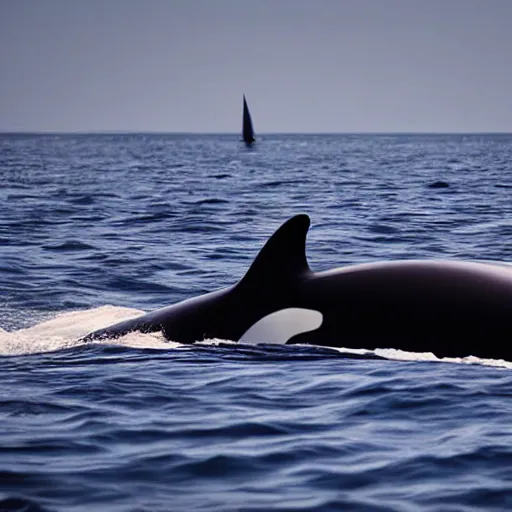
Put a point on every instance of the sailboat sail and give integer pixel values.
(248, 132)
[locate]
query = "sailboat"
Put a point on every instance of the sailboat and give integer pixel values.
(247, 130)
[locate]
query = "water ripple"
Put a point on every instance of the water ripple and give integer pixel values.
(146, 220)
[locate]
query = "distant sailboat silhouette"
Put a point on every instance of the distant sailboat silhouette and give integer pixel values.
(247, 131)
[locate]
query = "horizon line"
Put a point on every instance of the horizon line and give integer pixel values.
(159, 132)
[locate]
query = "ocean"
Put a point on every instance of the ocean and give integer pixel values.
(96, 228)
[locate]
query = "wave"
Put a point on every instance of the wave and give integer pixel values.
(66, 330)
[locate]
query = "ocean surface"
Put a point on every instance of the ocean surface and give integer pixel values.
(98, 228)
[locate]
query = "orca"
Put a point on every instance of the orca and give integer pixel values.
(450, 308)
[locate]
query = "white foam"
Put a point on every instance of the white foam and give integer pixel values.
(401, 355)
(66, 329)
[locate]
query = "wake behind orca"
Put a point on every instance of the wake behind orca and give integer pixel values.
(449, 308)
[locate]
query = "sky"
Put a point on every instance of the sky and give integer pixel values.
(305, 65)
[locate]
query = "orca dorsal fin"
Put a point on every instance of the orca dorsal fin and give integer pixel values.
(284, 254)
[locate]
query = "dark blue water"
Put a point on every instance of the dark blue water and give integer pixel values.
(94, 228)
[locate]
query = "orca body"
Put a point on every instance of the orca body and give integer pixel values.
(449, 308)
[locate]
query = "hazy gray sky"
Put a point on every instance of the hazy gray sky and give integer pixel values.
(305, 65)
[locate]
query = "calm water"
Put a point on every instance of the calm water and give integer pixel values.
(95, 228)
